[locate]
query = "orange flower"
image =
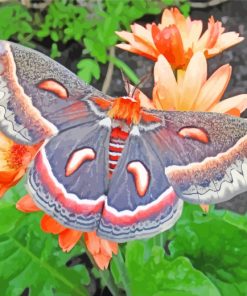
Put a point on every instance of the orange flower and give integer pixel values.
(192, 91)
(177, 38)
(100, 249)
(14, 159)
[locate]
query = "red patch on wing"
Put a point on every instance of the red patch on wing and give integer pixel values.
(55, 87)
(194, 133)
(148, 117)
(102, 103)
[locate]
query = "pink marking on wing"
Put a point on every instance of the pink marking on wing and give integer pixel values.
(54, 87)
(141, 176)
(77, 158)
(166, 199)
(194, 133)
(60, 194)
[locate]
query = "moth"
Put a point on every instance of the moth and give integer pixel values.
(109, 164)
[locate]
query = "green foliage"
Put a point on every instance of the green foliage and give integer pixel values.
(163, 277)
(206, 256)
(15, 20)
(92, 26)
(216, 244)
(31, 258)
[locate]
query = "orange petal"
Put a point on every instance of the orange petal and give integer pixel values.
(169, 43)
(100, 249)
(138, 45)
(7, 176)
(143, 34)
(165, 94)
(213, 89)
(108, 247)
(27, 205)
(224, 41)
(144, 52)
(230, 105)
(167, 19)
(205, 208)
(233, 112)
(194, 78)
(215, 29)
(17, 175)
(92, 242)
(194, 34)
(102, 261)
(50, 225)
(68, 239)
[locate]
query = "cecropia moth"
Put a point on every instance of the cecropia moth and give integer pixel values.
(109, 164)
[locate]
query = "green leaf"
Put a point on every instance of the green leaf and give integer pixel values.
(115, 271)
(8, 218)
(154, 275)
(33, 259)
(216, 244)
(168, 2)
(88, 68)
(96, 49)
(55, 53)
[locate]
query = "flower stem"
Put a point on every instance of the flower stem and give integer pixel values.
(109, 73)
(104, 275)
(121, 268)
(108, 280)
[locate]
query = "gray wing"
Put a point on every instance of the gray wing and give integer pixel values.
(204, 154)
(69, 176)
(140, 201)
(38, 96)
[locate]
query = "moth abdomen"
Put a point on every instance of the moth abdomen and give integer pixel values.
(117, 141)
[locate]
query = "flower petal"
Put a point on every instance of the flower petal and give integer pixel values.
(102, 261)
(27, 205)
(145, 53)
(194, 33)
(167, 18)
(92, 242)
(169, 43)
(68, 239)
(100, 249)
(224, 41)
(213, 89)
(165, 94)
(194, 78)
(108, 247)
(238, 102)
(144, 34)
(205, 208)
(140, 44)
(50, 225)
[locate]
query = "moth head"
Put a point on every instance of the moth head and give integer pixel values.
(126, 109)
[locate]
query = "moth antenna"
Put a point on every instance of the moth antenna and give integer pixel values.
(143, 79)
(126, 83)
